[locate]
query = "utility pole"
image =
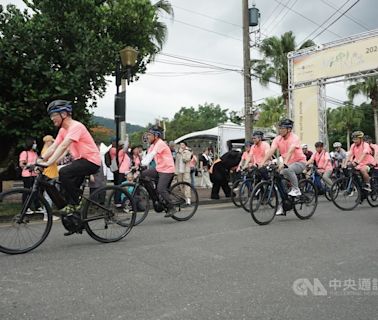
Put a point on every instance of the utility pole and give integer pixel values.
(247, 73)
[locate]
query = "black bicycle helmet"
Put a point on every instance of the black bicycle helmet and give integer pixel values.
(59, 106)
(258, 134)
(156, 131)
(286, 123)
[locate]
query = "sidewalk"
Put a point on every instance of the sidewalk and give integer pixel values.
(204, 197)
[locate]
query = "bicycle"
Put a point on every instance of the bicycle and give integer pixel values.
(347, 192)
(321, 187)
(23, 229)
(255, 175)
(143, 189)
(235, 189)
(264, 198)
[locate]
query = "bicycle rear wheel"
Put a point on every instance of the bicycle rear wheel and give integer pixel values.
(107, 220)
(185, 200)
(263, 203)
(22, 234)
(141, 200)
(305, 205)
(345, 193)
(235, 196)
(245, 191)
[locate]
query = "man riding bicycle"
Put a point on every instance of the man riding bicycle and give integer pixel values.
(165, 167)
(294, 161)
(72, 135)
(360, 155)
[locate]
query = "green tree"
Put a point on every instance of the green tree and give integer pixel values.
(65, 49)
(369, 88)
(273, 65)
(271, 111)
(188, 120)
(345, 120)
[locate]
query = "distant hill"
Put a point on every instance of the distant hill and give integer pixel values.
(109, 123)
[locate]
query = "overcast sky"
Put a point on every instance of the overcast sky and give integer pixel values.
(210, 31)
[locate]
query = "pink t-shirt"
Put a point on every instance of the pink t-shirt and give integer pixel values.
(357, 151)
(163, 157)
(258, 152)
(322, 160)
(283, 145)
(136, 160)
(83, 145)
(245, 155)
(125, 163)
(30, 157)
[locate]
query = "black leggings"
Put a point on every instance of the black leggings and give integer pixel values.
(72, 176)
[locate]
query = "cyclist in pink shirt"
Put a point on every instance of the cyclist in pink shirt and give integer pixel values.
(245, 159)
(360, 155)
(165, 167)
(72, 135)
(259, 148)
(373, 148)
(289, 146)
(323, 162)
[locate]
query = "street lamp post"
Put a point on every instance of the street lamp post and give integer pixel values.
(128, 59)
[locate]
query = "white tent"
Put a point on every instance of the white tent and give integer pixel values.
(222, 134)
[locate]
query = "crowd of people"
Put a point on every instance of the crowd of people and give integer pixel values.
(73, 154)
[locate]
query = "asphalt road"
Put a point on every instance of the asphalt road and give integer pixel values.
(219, 265)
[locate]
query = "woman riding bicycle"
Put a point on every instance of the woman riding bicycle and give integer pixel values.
(72, 135)
(165, 167)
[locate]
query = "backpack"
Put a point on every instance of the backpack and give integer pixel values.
(108, 159)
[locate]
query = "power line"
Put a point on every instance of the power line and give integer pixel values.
(267, 22)
(325, 21)
(203, 29)
(336, 19)
(308, 19)
(209, 17)
(351, 18)
(283, 16)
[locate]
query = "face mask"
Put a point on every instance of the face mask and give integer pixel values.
(34, 147)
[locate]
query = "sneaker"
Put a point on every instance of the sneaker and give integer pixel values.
(188, 201)
(70, 208)
(54, 218)
(280, 211)
(367, 187)
(40, 210)
(29, 211)
(118, 205)
(295, 192)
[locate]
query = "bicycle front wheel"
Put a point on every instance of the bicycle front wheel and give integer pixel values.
(20, 233)
(185, 200)
(372, 197)
(263, 203)
(345, 193)
(305, 205)
(105, 218)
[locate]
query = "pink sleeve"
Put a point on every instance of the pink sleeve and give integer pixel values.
(22, 156)
(367, 149)
(275, 142)
(74, 133)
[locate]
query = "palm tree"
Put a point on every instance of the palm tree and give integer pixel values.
(369, 88)
(160, 30)
(346, 118)
(273, 66)
(272, 110)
